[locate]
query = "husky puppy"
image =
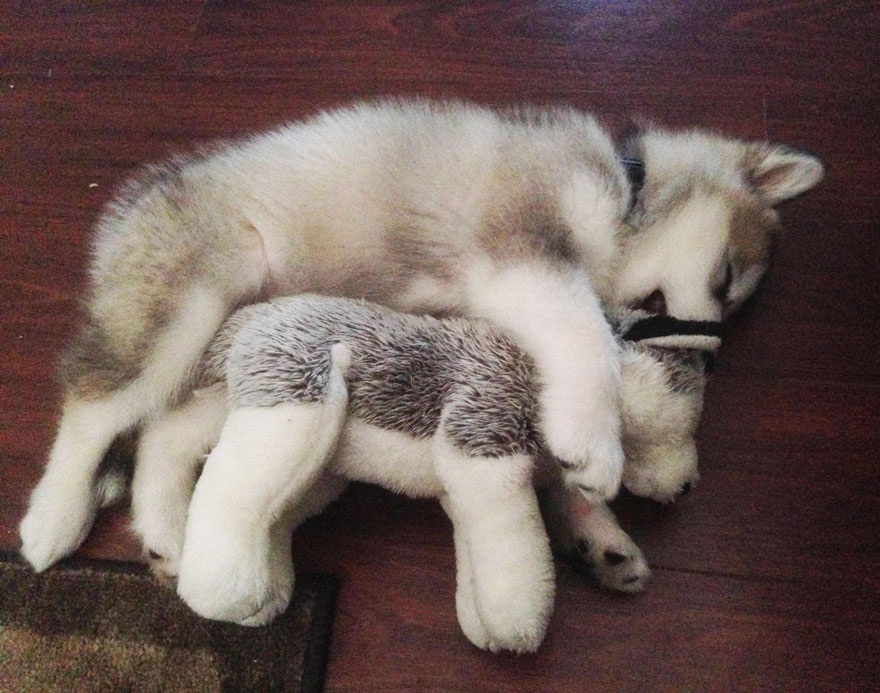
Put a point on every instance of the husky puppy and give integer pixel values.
(321, 390)
(516, 217)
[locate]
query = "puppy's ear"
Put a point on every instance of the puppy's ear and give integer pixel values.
(779, 172)
(636, 126)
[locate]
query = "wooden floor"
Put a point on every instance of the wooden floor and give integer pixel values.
(766, 577)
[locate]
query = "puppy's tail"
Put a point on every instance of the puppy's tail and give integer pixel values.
(111, 486)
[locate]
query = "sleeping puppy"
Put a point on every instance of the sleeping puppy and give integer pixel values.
(316, 391)
(525, 218)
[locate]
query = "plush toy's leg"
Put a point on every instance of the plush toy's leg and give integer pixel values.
(587, 531)
(465, 606)
(265, 462)
(322, 493)
(325, 490)
(498, 525)
(170, 451)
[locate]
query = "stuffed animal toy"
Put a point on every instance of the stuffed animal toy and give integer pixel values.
(322, 390)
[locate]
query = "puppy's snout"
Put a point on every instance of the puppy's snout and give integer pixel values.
(686, 488)
(655, 302)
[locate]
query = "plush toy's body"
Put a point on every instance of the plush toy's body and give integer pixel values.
(324, 390)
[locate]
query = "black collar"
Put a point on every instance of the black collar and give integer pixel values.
(664, 331)
(635, 171)
(657, 326)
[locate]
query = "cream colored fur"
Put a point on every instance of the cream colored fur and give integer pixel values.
(421, 207)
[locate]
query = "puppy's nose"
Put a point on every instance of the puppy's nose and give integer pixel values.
(655, 303)
(686, 488)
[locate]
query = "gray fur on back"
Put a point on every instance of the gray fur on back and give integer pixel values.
(405, 369)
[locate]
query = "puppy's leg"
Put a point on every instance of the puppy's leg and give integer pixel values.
(64, 503)
(171, 260)
(170, 452)
(239, 519)
(495, 512)
(553, 313)
(586, 530)
(465, 605)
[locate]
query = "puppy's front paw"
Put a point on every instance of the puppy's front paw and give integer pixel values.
(617, 565)
(57, 522)
(599, 477)
(582, 431)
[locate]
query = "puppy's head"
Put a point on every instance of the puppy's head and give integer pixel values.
(703, 224)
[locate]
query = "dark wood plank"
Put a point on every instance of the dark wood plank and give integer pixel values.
(766, 576)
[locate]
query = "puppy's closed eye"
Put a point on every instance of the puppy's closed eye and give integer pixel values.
(722, 288)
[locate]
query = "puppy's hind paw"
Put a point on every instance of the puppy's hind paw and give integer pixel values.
(54, 527)
(164, 568)
(161, 531)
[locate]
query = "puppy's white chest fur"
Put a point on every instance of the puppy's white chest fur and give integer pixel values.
(393, 460)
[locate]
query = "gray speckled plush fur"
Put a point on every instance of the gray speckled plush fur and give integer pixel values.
(406, 370)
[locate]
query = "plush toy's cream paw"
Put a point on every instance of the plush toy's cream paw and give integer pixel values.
(465, 607)
(496, 622)
(505, 579)
(234, 577)
(469, 620)
(273, 606)
(515, 615)
(617, 565)
(236, 563)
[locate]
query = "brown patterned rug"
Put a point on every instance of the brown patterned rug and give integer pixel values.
(101, 626)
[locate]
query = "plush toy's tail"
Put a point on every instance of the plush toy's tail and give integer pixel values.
(340, 358)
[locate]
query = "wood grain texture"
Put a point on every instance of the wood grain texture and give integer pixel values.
(766, 577)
